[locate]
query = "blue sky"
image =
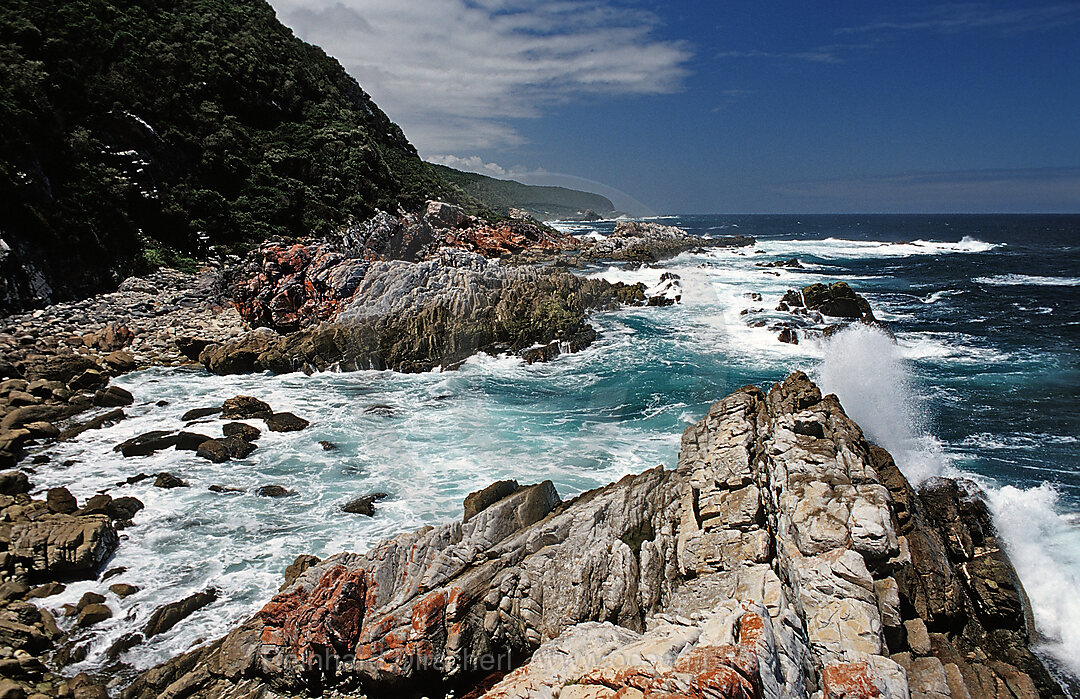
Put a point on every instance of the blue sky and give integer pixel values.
(732, 106)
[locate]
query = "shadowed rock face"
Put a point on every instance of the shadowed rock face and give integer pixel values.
(783, 557)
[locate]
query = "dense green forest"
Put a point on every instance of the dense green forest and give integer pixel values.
(138, 131)
(541, 201)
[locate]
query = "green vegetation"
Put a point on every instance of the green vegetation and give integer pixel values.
(148, 130)
(545, 203)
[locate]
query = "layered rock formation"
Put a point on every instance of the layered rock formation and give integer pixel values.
(784, 557)
(293, 286)
(412, 316)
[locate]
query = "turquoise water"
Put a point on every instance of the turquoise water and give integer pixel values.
(974, 384)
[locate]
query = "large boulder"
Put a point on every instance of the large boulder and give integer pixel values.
(169, 615)
(837, 300)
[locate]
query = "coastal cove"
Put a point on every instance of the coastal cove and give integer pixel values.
(966, 337)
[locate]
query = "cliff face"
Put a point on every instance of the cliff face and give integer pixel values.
(783, 557)
(143, 131)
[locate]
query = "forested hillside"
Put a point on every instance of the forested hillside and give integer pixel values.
(543, 202)
(148, 130)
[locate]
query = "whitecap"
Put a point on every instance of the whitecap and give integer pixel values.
(1026, 280)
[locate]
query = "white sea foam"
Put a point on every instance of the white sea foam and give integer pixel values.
(1026, 280)
(838, 248)
(873, 381)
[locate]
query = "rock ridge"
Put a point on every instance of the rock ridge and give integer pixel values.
(785, 556)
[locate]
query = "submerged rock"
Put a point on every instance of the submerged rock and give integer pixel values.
(363, 505)
(285, 422)
(273, 491)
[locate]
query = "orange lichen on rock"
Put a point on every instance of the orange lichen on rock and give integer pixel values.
(849, 681)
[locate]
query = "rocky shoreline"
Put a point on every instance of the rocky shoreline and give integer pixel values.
(785, 556)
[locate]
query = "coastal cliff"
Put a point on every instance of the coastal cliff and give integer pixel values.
(785, 556)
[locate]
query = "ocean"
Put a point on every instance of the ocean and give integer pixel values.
(983, 380)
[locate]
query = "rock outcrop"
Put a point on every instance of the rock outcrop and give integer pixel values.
(413, 316)
(784, 557)
(644, 241)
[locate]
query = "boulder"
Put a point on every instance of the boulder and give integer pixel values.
(123, 509)
(241, 430)
(198, 413)
(363, 505)
(119, 362)
(14, 483)
(482, 499)
(837, 300)
(113, 397)
(213, 450)
(93, 614)
(190, 441)
(169, 615)
(273, 491)
(123, 589)
(61, 501)
(147, 443)
(243, 407)
(88, 380)
(285, 422)
(192, 347)
(113, 336)
(168, 481)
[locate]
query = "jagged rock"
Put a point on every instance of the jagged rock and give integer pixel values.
(241, 430)
(285, 422)
(119, 362)
(147, 443)
(363, 505)
(61, 546)
(104, 420)
(169, 615)
(191, 347)
(327, 446)
(837, 300)
(416, 316)
(88, 380)
(645, 241)
(485, 498)
(783, 557)
(245, 407)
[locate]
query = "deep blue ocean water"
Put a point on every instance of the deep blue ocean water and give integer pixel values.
(983, 380)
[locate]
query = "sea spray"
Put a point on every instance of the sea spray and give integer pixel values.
(1045, 550)
(864, 367)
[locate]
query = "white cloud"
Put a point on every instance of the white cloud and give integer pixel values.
(456, 73)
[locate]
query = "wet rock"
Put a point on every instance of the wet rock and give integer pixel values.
(190, 441)
(273, 491)
(169, 615)
(97, 505)
(104, 420)
(241, 430)
(245, 407)
(123, 509)
(197, 413)
(213, 450)
(326, 446)
(47, 590)
(363, 505)
(789, 335)
(237, 448)
(60, 500)
(837, 300)
(113, 397)
(285, 422)
(122, 645)
(298, 567)
(168, 481)
(223, 489)
(93, 614)
(123, 590)
(147, 443)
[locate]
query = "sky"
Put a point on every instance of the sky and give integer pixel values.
(731, 107)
